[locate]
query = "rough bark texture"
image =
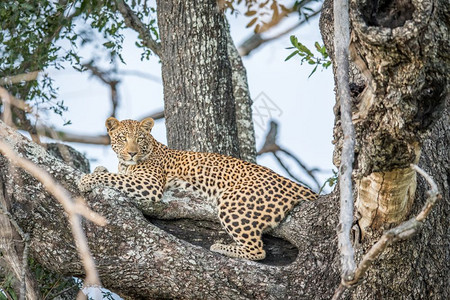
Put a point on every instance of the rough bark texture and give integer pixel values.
(137, 259)
(399, 79)
(244, 121)
(205, 106)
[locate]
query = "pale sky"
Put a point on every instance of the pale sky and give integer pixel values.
(303, 107)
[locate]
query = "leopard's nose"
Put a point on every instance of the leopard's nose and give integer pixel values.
(132, 154)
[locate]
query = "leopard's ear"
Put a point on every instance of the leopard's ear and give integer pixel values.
(111, 124)
(147, 124)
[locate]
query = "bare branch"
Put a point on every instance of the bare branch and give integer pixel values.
(73, 210)
(341, 42)
(303, 166)
(113, 83)
(141, 74)
(7, 112)
(403, 231)
(287, 169)
(8, 80)
(271, 146)
(82, 138)
(433, 194)
(133, 22)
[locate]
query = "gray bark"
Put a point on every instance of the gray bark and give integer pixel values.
(137, 259)
(207, 105)
(400, 86)
(244, 121)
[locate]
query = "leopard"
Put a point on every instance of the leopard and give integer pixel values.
(250, 199)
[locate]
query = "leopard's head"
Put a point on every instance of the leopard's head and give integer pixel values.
(131, 140)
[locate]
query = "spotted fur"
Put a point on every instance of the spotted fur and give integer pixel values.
(250, 198)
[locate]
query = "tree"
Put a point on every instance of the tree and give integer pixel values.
(401, 95)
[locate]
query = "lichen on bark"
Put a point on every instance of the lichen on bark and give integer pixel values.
(400, 87)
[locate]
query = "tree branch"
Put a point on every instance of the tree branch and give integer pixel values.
(75, 209)
(271, 146)
(8, 80)
(403, 231)
(113, 83)
(133, 22)
(26, 241)
(341, 42)
(168, 266)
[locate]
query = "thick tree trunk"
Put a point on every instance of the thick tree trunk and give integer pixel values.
(207, 107)
(399, 78)
(142, 257)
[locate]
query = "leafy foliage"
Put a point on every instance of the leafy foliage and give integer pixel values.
(307, 55)
(51, 285)
(28, 29)
(265, 14)
(6, 288)
(37, 35)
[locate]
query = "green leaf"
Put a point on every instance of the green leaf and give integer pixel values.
(294, 40)
(317, 45)
(291, 55)
(314, 70)
(108, 44)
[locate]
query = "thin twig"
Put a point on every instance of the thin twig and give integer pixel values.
(63, 291)
(341, 42)
(133, 22)
(271, 146)
(303, 166)
(105, 78)
(71, 207)
(403, 231)
(287, 169)
(141, 74)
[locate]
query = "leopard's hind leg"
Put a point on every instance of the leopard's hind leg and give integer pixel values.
(244, 227)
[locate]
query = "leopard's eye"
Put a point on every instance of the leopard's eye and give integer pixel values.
(121, 138)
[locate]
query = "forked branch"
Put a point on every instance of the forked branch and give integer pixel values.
(271, 146)
(132, 21)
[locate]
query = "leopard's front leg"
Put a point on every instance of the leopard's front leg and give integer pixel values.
(142, 188)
